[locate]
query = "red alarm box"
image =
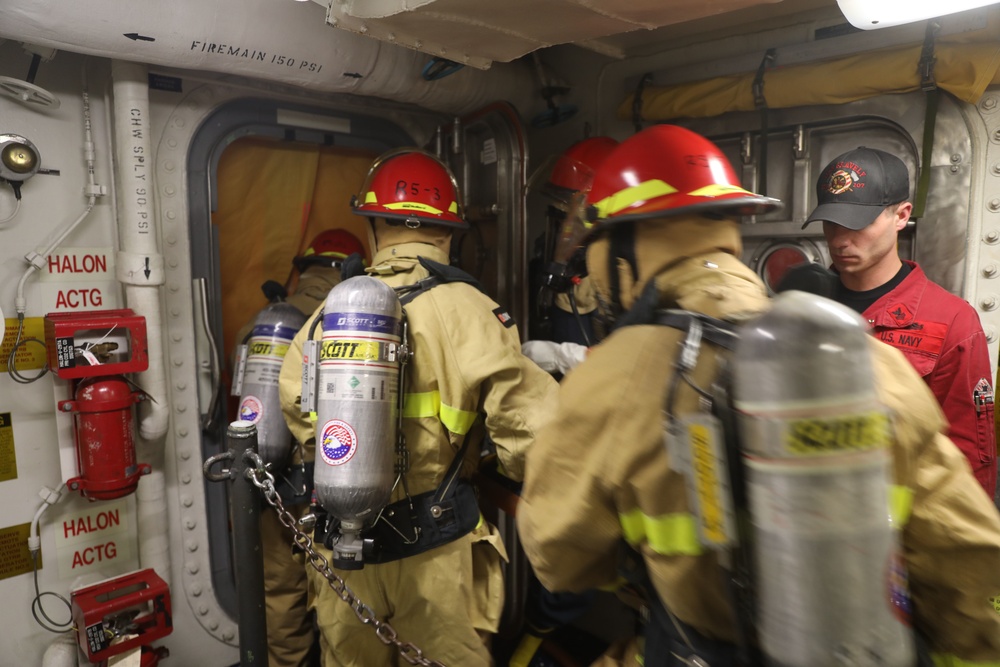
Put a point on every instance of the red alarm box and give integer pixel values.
(135, 606)
(94, 343)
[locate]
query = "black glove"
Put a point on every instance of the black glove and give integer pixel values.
(274, 291)
(812, 277)
(353, 266)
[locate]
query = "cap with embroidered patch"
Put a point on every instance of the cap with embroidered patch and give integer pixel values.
(857, 186)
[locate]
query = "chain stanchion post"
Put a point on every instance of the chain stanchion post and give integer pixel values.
(241, 440)
(264, 480)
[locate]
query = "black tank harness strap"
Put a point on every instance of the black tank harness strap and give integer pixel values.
(669, 642)
(434, 518)
(437, 517)
(715, 331)
(414, 525)
(439, 275)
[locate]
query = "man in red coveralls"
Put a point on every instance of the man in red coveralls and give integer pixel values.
(863, 205)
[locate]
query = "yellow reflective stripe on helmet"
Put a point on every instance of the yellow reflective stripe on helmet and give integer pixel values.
(428, 404)
(900, 504)
(716, 189)
(945, 660)
(412, 206)
(453, 208)
(669, 534)
(371, 197)
(624, 198)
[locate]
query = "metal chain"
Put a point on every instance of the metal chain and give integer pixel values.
(264, 481)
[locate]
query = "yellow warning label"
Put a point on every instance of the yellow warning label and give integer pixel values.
(707, 483)
(15, 558)
(353, 350)
(8, 458)
(824, 436)
(30, 356)
(268, 349)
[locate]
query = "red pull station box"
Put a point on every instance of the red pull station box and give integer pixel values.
(93, 343)
(134, 606)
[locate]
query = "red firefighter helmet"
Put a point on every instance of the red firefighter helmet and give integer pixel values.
(338, 243)
(667, 170)
(575, 168)
(411, 185)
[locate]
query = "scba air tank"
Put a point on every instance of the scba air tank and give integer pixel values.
(357, 393)
(829, 577)
(273, 331)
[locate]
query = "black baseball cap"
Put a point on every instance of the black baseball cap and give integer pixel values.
(857, 186)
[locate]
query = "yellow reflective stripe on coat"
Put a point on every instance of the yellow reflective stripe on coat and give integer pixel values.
(622, 199)
(525, 651)
(941, 660)
(668, 534)
(428, 404)
(900, 504)
(677, 534)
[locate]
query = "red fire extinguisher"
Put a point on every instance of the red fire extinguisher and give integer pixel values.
(105, 438)
(94, 350)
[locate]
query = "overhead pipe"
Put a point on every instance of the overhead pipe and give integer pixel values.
(284, 42)
(139, 267)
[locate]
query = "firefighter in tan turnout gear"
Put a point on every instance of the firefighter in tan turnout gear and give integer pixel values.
(290, 631)
(601, 498)
(466, 377)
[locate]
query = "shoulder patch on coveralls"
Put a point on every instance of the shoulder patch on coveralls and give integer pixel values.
(504, 317)
(982, 394)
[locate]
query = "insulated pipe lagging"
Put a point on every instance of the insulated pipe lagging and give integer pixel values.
(267, 40)
(139, 265)
(61, 652)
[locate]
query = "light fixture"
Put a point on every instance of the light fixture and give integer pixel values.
(874, 14)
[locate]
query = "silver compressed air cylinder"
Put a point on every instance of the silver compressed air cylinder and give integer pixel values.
(273, 331)
(357, 395)
(829, 577)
